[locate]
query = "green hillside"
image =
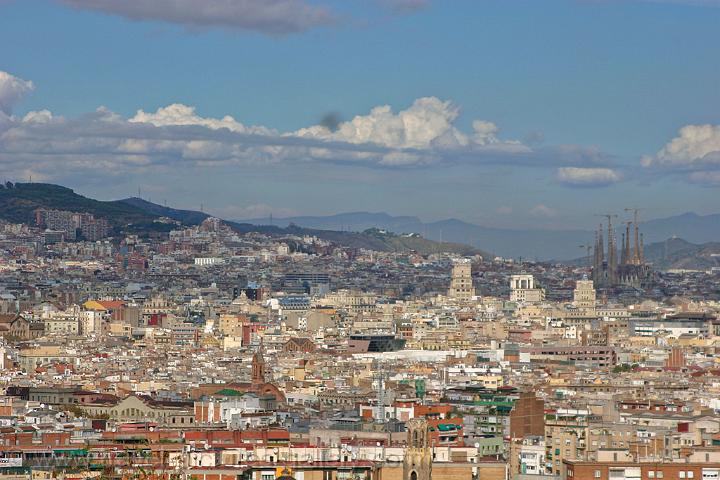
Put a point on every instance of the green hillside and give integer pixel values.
(19, 201)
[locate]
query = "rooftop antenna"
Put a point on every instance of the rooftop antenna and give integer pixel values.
(139, 196)
(201, 208)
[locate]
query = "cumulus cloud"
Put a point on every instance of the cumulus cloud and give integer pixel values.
(265, 16)
(427, 122)
(695, 146)
(423, 133)
(694, 153)
(587, 177)
(178, 114)
(12, 89)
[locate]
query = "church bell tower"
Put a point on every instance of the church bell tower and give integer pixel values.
(417, 464)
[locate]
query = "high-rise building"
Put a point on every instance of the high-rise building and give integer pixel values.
(461, 286)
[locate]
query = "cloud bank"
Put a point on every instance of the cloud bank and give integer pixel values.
(176, 136)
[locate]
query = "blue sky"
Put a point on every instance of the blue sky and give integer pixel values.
(576, 93)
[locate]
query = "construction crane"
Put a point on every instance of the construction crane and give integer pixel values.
(635, 212)
(609, 216)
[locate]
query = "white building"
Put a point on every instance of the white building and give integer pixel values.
(524, 290)
(207, 261)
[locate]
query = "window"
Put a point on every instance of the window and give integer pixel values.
(660, 474)
(651, 474)
(598, 473)
(690, 474)
(682, 474)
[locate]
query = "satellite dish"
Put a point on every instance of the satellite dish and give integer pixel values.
(477, 445)
(349, 448)
(275, 450)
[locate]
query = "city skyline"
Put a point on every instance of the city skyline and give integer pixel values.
(497, 113)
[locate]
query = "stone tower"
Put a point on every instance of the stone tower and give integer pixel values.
(258, 368)
(417, 464)
(461, 285)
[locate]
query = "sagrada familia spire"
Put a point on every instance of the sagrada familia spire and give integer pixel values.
(631, 270)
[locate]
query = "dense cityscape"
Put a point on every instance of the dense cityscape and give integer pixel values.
(205, 353)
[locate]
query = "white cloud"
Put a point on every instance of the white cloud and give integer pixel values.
(178, 114)
(696, 146)
(423, 133)
(541, 210)
(12, 89)
(587, 177)
(427, 122)
(694, 153)
(266, 16)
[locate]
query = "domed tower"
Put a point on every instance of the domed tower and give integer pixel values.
(417, 464)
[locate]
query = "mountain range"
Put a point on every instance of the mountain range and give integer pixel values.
(683, 241)
(527, 243)
(19, 201)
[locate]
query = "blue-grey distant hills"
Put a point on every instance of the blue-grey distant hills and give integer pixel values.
(527, 243)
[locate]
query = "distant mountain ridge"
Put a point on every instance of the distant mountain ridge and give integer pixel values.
(388, 242)
(527, 243)
(677, 253)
